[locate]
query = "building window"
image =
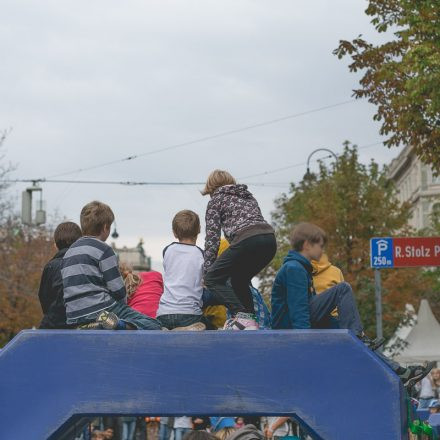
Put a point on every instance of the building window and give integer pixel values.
(424, 177)
(435, 179)
(426, 215)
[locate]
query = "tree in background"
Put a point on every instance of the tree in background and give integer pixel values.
(352, 202)
(401, 76)
(23, 253)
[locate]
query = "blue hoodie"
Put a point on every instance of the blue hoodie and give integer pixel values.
(291, 292)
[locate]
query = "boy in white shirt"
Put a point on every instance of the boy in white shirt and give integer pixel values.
(180, 307)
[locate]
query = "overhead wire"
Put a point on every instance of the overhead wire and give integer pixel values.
(201, 139)
(158, 183)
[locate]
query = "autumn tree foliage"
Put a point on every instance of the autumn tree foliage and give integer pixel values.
(352, 202)
(23, 253)
(401, 76)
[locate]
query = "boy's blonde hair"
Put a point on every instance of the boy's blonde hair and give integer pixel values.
(217, 179)
(186, 224)
(94, 216)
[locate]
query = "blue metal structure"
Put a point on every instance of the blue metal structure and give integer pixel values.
(328, 380)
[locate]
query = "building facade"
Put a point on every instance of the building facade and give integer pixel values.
(135, 258)
(417, 184)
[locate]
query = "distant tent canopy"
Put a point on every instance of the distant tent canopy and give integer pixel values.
(423, 341)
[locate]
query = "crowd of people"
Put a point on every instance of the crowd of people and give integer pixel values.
(429, 392)
(192, 428)
(84, 286)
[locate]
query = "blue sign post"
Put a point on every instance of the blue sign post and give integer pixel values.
(381, 253)
(381, 257)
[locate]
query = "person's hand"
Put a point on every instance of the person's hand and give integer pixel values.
(268, 433)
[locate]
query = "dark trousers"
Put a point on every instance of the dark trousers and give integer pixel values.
(239, 264)
(342, 297)
(180, 320)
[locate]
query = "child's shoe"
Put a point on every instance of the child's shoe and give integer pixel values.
(242, 321)
(196, 327)
(415, 373)
(90, 326)
(108, 320)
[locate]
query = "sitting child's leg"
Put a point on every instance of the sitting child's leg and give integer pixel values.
(177, 320)
(133, 318)
(340, 296)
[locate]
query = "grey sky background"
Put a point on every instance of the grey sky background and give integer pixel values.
(83, 83)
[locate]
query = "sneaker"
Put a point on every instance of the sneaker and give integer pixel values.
(108, 320)
(372, 344)
(90, 326)
(196, 327)
(415, 373)
(242, 321)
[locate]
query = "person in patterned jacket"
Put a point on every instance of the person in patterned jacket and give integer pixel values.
(234, 210)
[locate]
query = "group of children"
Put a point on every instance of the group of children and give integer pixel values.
(82, 285)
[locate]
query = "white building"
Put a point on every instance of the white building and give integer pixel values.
(416, 184)
(135, 258)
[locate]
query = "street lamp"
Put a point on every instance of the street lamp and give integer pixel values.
(315, 151)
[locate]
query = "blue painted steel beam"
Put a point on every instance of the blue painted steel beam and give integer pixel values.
(327, 379)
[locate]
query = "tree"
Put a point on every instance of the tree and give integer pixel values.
(401, 76)
(23, 253)
(352, 202)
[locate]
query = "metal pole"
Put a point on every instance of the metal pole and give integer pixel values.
(378, 296)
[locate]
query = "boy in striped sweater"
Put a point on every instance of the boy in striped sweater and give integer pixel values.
(94, 293)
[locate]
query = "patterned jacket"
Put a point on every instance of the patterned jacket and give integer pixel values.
(231, 208)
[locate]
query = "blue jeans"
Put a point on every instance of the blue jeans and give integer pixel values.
(164, 432)
(126, 314)
(342, 297)
(128, 429)
(179, 320)
(180, 432)
(136, 319)
(424, 403)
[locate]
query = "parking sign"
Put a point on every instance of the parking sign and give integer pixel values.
(381, 253)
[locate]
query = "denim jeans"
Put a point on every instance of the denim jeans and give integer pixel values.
(179, 320)
(424, 403)
(128, 429)
(131, 316)
(180, 432)
(164, 432)
(342, 297)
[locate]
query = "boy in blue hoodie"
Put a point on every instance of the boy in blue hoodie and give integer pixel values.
(295, 304)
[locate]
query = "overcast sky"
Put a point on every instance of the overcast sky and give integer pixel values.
(87, 82)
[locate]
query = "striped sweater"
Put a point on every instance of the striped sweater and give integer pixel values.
(91, 279)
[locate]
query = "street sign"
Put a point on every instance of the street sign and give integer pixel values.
(388, 252)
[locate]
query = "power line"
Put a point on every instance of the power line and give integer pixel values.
(125, 183)
(277, 170)
(202, 139)
(144, 183)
